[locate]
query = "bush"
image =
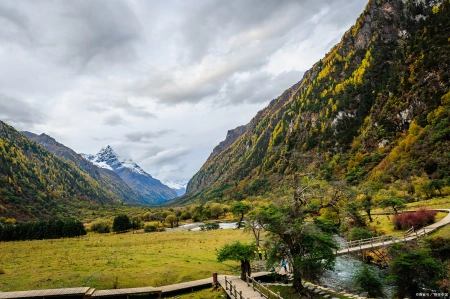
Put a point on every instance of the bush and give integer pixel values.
(368, 282)
(150, 228)
(101, 227)
(418, 219)
(209, 226)
(121, 223)
(196, 218)
(357, 233)
(326, 225)
(185, 215)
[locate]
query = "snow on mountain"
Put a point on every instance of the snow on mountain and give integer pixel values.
(152, 190)
(108, 159)
(178, 186)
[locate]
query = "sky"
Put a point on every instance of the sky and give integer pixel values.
(160, 81)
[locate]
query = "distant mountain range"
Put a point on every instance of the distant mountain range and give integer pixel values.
(151, 189)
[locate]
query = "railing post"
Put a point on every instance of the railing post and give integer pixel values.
(360, 244)
(226, 287)
(253, 284)
(278, 295)
(240, 294)
(246, 279)
(260, 288)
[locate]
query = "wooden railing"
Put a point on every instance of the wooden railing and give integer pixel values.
(261, 289)
(233, 292)
(257, 287)
(408, 235)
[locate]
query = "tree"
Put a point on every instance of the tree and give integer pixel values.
(121, 223)
(369, 282)
(396, 203)
(254, 225)
(240, 209)
(309, 249)
(238, 252)
(413, 269)
(171, 219)
(216, 210)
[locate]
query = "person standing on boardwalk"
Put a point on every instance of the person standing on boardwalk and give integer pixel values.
(260, 253)
(284, 264)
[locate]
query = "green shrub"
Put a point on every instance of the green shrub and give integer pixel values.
(326, 225)
(357, 233)
(121, 223)
(185, 215)
(368, 282)
(210, 226)
(150, 228)
(101, 227)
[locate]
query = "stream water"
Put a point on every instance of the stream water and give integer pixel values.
(343, 276)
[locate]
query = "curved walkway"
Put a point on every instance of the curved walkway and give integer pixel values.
(384, 241)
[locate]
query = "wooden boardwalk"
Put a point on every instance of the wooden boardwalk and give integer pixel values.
(385, 241)
(46, 293)
(87, 292)
(236, 288)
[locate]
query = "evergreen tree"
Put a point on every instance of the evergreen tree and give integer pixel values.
(121, 223)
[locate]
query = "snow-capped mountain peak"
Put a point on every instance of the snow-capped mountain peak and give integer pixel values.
(152, 190)
(107, 158)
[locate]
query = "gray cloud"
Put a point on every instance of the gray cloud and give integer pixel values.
(223, 41)
(103, 105)
(14, 24)
(19, 113)
(167, 156)
(251, 90)
(145, 137)
(85, 34)
(256, 20)
(113, 120)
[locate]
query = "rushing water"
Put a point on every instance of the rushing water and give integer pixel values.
(343, 276)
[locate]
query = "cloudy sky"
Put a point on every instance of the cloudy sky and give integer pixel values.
(159, 81)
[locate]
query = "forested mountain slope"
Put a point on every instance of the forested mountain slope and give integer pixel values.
(107, 178)
(35, 183)
(375, 108)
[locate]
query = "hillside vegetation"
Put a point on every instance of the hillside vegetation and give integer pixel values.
(374, 110)
(34, 183)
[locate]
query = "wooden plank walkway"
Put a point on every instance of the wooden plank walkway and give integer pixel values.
(91, 292)
(124, 292)
(186, 285)
(240, 289)
(45, 293)
(368, 244)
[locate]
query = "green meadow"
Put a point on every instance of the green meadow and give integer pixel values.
(121, 260)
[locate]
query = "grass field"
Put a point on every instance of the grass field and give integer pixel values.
(134, 260)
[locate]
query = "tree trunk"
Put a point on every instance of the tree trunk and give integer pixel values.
(369, 215)
(297, 283)
(245, 269)
(240, 221)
